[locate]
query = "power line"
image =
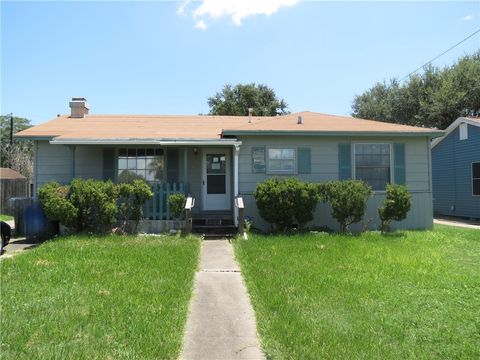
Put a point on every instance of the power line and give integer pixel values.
(443, 53)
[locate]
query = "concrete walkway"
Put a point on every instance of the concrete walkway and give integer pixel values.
(458, 222)
(221, 322)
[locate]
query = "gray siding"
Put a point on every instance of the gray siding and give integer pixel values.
(55, 163)
(89, 162)
(324, 167)
(451, 172)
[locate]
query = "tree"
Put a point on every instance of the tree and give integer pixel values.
(18, 155)
(434, 98)
(236, 100)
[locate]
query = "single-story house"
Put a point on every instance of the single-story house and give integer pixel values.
(217, 158)
(456, 169)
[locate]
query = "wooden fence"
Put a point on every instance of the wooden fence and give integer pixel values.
(157, 207)
(10, 188)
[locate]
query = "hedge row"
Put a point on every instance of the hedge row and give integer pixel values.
(94, 206)
(289, 203)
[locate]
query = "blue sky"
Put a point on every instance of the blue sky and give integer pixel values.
(151, 58)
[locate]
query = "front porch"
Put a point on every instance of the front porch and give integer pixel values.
(205, 170)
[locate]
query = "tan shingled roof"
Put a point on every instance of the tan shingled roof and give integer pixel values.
(317, 122)
(7, 173)
(202, 127)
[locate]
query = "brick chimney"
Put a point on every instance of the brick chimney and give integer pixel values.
(79, 107)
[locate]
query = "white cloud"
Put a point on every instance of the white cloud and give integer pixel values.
(181, 8)
(201, 25)
(467, 17)
(237, 10)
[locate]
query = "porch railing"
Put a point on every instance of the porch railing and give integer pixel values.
(157, 207)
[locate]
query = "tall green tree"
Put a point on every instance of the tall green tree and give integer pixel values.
(236, 100)
(18, 155)
(433, 98)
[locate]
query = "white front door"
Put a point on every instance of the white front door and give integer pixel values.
(216, 179)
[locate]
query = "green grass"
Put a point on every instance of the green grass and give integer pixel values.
(5, 217)
(98, 298)
(406, 295)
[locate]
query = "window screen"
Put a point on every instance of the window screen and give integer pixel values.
(281, 160)
(372, 164)
(216, 173)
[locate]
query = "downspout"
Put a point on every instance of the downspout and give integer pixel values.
(185, 168)
(236, 150)
(35, 170)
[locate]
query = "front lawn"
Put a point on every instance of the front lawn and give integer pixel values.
(98, 298)
(402, 296)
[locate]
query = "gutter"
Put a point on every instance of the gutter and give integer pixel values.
(431, 134)
(197, 142)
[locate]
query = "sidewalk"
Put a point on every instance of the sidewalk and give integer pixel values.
(16, 245)
(458, 222)
(221, 322)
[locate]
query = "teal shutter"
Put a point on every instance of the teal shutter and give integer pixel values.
(109, 164)
(258, 160)
(304, 160)
(344, 161)
(399, 164)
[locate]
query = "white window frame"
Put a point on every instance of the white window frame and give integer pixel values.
(354, 170)
(471, 176)
(117, 156)
(267, 155)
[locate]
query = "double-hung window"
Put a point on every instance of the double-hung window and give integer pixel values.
(282, 160)
(476, 178)
(373, 165)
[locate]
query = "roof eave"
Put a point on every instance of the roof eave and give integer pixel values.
(430, 134)
(100, 141)
(453, 126)
(33, 137)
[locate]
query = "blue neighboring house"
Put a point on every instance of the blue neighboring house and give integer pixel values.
(456, 170)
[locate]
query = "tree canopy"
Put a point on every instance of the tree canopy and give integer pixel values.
(433, 98)
(235, 100)
(19, 155)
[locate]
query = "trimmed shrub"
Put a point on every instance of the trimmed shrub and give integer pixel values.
(348, 199)
(286, 202)
(395, 207)
(96, 202)
(57, 207)
(91, 205)
(132, 196)
(176, 203)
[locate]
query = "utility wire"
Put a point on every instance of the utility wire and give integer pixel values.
(443, 53)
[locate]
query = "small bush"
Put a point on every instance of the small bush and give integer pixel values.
(57, 207)
(96, 202)
(130, 204)
(348, 199)
(176, 203)
(395, 207)
(286, 202)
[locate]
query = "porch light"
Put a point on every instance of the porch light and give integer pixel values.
(195, 150)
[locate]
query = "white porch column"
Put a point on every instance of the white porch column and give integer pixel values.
(236, 150)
